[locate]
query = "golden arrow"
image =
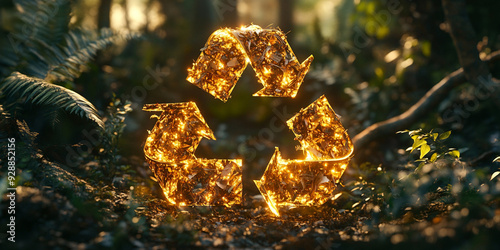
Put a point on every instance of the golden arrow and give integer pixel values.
(228, 51)
(185, 179)
(312, 181)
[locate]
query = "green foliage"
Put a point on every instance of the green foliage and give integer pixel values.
(430, 143)
(367, 15)
(367, 193)
(497, 159)
(40, 92)
(115, 125)
(45, 52)
(26, 151)
(48, 19)
(440, 185)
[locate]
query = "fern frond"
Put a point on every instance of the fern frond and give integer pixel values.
(8, 59)
(38, 91)
(51, 50)
(79, 49)
(43, 20)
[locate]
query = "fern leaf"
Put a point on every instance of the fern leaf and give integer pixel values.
(43, 20)
(80, 48)
(37, 91)
(49, 49)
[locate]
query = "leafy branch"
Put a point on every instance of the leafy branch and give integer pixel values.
(430, 142)
(40, 92)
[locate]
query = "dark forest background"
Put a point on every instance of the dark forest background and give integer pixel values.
(74, 76)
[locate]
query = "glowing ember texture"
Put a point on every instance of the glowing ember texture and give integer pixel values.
(186, 180)
(228, 51)
(328, 149)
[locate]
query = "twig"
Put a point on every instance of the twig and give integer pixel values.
(482, 157)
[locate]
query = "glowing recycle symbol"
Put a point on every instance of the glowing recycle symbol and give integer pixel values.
(187, 180)
(328, 149)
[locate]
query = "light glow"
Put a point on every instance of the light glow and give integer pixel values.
(185, 179)
(325, 142)
(228, 51)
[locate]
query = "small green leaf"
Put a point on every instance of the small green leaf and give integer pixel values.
(424, 149)
(434, 136)
(433, 157)
(417, 143)
(420, 166)
(414, 132)
(494, 174)
(425, 47)
(455, 153)
(445, 135)
(336, 196)
(497, 159)
(422, 160)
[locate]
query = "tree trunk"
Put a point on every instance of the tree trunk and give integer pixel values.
(286, 15)
(103, 15)
(465, 40)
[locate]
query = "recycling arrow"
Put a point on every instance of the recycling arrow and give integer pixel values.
(228, 51)
(185, 179)
(312, 181)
